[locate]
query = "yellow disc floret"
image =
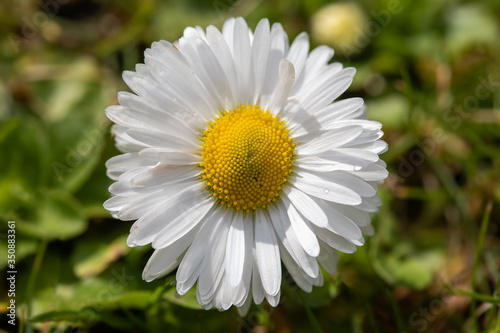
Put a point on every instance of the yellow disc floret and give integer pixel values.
(247, 157)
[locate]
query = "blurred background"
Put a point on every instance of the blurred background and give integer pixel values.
(428, 71)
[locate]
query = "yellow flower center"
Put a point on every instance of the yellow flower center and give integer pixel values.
(247, 157)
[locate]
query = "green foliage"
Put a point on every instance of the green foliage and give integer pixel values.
(428, 71)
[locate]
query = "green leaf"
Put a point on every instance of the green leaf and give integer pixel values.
(404, 266)
(93, 258)
(24, 248)
(187, 301)
(59, 315)
(24, 164)
(391, 110)
(319, 296)
(469, 26)
(86, 317)
(59, 216)
(138, 299)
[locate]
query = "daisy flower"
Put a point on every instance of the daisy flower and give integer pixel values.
(236, 159)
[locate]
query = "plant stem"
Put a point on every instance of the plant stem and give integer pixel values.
(32, 280)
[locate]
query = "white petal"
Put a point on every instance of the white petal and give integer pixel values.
(183, 224)
(302, 230)
(138, 112)
(339, 110)
(163, 258)
(341, 224)
(243, 288)
(287, 78)
(175, 203)
(243, 310)
(124, 142)
(164, 140)
(223, 53)
(330, 140)
(117, 165)
(290, 241)
(260, 54)
(306, 206)
(327, 190)
(368, 230)
(257, 288)
(190, 267)
(279, 48)
(163, 174)
(337, 242)
(235, 251)
(267, 254)
(342, 178)
(274, 300)
(215, 72)
(213, 265)
(298, 52)
(169, 156)
(328, 258)
(295, 272)
(228, 32)
(242, 57)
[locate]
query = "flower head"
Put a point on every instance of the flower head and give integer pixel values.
(236, 158)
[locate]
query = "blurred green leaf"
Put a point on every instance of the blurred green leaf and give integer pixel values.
(391, 110)
(319, 296)
(24, 248)
(62, 315)
(470, 25)
(59, 216)
(187, 301)
(412, 268)
(24, 162)
(93, 258)
(137, 299)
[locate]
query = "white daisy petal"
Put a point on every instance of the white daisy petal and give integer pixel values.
(235, 250)
(257, 288)
(168, 156)
(238, 158)
(328, 258)
(327, 190)
(124, 142)
(290, 241)
(182, 224)
(306, 206)
(331, 139)
(302, 230)
(175, 203)
(117, 165)
(228, 32)
(260, 54)
(243, 289)
(163, 140)
(278, 50)
(333, 240)
(163, 258)
(190, 267)
(267, 255)
(242, 57)
(287, 78)
(212, 265)
(215, 72)
(341, 178)
(223, 53)
(295, 272)
(298, 53)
